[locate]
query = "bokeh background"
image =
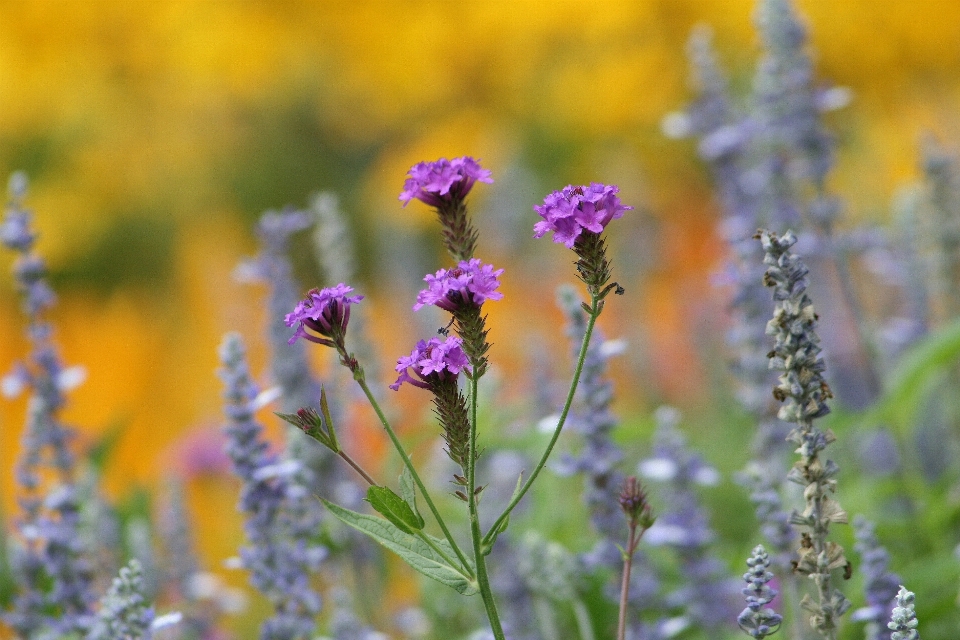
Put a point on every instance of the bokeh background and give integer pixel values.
(155, 133)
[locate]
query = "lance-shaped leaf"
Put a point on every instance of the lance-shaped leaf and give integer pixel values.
(417, 553)
(392, 507)
(409, 493)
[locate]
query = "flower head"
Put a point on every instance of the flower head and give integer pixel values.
(573, 210)
(325, 311)
(470, 283)
(440, 183)
(432, 360)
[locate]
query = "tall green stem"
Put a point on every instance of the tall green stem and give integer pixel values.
(594, 314)
(358, 376)
(485, 591)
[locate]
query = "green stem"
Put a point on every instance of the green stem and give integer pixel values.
(485, 591)
(625, 583)
(413, 472)
(356, 467)
(594, 314)
(582, 615)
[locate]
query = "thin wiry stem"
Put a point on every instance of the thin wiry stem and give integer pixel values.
(594, 313)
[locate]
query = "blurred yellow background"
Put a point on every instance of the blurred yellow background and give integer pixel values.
(154, 134)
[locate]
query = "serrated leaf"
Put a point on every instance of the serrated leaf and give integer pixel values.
(392, 507)
(409, 493)
(414, 551)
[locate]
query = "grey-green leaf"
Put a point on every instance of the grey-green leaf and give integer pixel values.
(393, 508)
(409, 494)
(414, 551)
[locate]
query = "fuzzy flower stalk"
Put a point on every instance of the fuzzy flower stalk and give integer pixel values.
(280, 554)
(804, 392)
(51, 563)
(758, 620)
(633, 503)
(124, 611)
(444, 185)
(577, 216)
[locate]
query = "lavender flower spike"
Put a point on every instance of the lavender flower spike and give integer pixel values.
(758, 620)
(903, 619)
(325, 311)
(471, 284)
(279, 526)
(124, 612)
(880, 585)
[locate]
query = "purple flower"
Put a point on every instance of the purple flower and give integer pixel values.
(432, 361)
(574, 209)
(470, 283)
(441, 182)
(325, 311)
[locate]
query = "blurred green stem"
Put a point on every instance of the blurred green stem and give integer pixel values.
(593, 312)
(479, 558)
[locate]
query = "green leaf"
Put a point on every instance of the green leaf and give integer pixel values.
(417, 553)
(409, 493)
(914, 376)
(393, 508)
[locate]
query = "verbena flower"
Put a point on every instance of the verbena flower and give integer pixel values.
(570, 212)
(471, 283)
(577, 217)
(432, 361)
(758, 620)
(903, 619)
(437, 365)
(324, 311)
(444, 185)
(443, 182)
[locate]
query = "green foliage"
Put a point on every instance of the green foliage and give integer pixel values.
(420, 555)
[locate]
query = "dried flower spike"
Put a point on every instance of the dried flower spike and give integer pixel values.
(804, 392)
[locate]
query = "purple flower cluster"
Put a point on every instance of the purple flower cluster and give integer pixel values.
(444, 181)
(325, 311)
(470, 283)
(573, 210)
(432, 360)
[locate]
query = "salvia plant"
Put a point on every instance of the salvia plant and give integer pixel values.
(651, 558)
